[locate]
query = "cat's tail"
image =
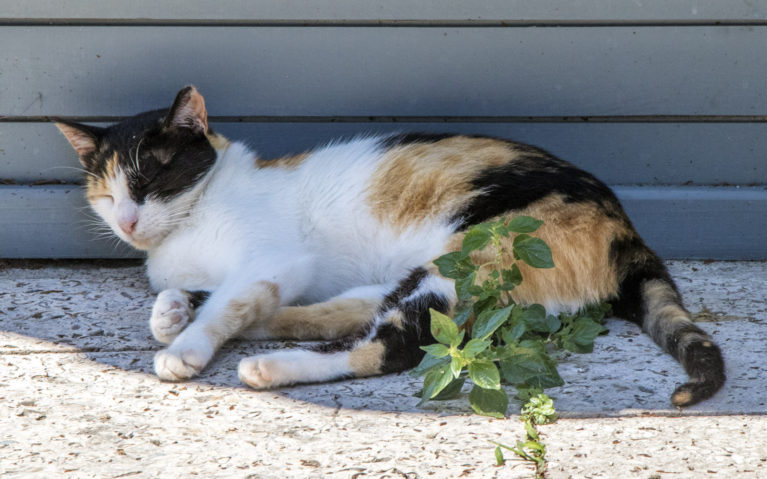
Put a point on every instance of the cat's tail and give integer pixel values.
(649, 297)
(388, 343)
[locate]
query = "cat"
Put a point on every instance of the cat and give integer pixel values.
(338, 243)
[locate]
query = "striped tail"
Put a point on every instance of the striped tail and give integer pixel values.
(388, 343)
(649, 297)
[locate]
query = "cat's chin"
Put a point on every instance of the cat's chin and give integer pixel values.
(142, 243)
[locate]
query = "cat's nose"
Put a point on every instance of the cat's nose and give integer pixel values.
(127, 217)
(128, 224)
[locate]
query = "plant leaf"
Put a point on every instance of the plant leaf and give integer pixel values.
(436, 350)
(465, 287)
(462, 315)
(435, 381)
(489, 402)
(582, 335)
(533, 251)
(475, 240)
(512, 277)
(534, 317)
(451, 391)
(428, 362)
(454, 265)
(524, 224)
(499, 461)
(443, 328)
(485, 374)
(475, 346)
(529, 364)
(488, 321)
(456, 366)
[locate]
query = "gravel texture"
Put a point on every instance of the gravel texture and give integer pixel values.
(78, 397)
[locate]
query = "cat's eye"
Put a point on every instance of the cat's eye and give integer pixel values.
(101, 198)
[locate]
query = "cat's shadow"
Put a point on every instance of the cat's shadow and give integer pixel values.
(625, 375)
(103, 312)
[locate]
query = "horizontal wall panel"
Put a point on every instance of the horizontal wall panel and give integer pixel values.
(699, 222)
(385, 9)
(618, 153)
(339, 71)
(679, 222)
(52, 222)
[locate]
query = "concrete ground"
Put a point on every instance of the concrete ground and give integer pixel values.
(78, 398)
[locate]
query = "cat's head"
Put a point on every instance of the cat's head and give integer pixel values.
(141, 173)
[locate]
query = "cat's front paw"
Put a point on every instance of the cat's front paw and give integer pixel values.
(177, 364)
(170, 315)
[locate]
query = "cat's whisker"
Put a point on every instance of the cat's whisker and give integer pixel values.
(136, 160)
(81, 170)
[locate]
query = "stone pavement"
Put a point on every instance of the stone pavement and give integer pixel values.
(78, 397)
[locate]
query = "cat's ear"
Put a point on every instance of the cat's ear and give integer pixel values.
(83, 138)
(188, 111)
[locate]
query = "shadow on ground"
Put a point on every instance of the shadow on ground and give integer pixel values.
(101, 311)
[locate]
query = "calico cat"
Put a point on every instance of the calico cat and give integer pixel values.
(338, 243)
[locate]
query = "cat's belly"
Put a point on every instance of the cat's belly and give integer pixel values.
(378, 256)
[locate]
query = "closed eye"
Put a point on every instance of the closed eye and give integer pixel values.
(99, 198)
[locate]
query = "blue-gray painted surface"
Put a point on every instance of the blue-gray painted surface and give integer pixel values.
(652, 96)
(360, 71)
(387, 9)
(618, 153)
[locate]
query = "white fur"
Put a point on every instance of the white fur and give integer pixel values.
(288, 367)
(307, 230)
(170, 315)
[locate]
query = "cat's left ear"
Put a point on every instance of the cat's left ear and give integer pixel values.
(188, 111)
(83, 138)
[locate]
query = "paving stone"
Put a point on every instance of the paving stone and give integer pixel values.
(78, 397)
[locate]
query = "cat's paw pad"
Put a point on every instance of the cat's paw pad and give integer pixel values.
(170, 315)
(262, 372)
(177, 366)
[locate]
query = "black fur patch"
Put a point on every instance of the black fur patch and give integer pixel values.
(160, 162)
(705, 366)
(403, 139)
(174, 161)
(532, 177)
(635, 264)
(401, 345)
(197, 298)
(403, 290)
(672, 339)
(402, 349)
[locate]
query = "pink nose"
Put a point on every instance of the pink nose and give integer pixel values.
(128, 224)
(127, 216)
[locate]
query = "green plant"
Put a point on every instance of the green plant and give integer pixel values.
(509, 343)
(539, 409)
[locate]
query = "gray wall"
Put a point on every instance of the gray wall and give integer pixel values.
(666, 101)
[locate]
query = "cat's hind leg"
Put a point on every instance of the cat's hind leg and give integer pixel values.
(388, 343)
(340, 316)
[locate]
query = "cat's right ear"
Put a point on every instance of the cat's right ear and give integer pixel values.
(83, 138)
(188, 111)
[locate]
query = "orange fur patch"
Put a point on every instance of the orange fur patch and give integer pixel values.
(259, 302)
(579, 236)
(96, 187)
(367, 360)
(420, 182)
(217, 141)
(286, 162)
(328, 320)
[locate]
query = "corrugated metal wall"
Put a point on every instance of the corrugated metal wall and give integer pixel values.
(666, 101)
